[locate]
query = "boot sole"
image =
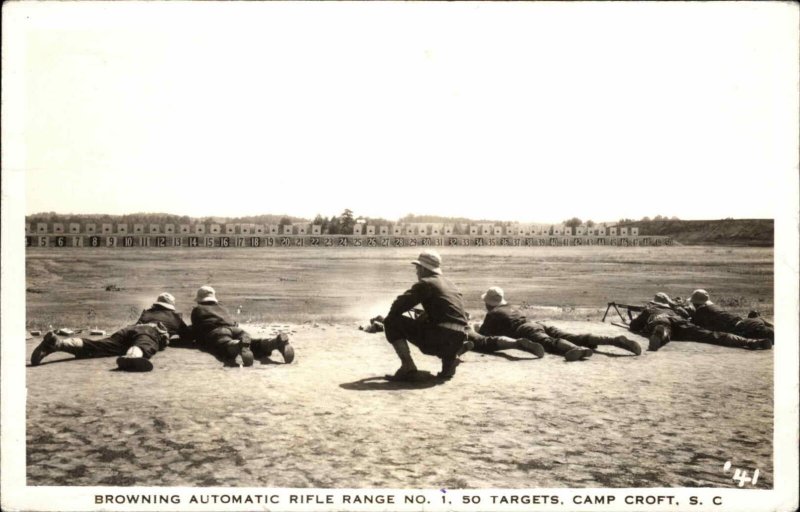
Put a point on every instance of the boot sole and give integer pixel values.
(451, 371)
(134, 364)
(404, 377)
(630, 346)
(578, 353)
(288, 354)
(247, 356)
(656, 340)
(43, 349)
(39, 353)
(465, 347)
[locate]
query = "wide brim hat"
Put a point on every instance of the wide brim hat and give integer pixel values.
(166, 301)
(494, 297)
(206, 294)
(662, 299)
(429, 260)
(700, 297)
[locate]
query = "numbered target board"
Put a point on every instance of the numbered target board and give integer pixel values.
(225, 241)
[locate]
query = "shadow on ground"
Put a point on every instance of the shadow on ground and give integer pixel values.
(421, 380)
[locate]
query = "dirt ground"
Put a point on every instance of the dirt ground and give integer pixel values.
(330, 419)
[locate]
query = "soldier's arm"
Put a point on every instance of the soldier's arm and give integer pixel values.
(185, 332)
(407, 300)
(638, 323)
(487, 327)
(195, 317)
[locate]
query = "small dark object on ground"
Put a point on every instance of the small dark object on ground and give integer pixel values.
(113, 288)
(375, 325)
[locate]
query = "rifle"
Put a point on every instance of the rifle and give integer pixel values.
(630, 308)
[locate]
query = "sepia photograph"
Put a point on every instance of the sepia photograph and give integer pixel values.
(442, 256)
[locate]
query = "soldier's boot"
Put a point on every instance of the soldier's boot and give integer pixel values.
(238, 354)
(407, 366)
(619, 342)
(659, 337)
(449, 364)
(531, 346)
(628, 344)
(285, 348)
(764, 344)
(732, 340)
(53, 343)
(592, 341)
(134, 361)
(570, 351)
(246, 353)
(465, 347)
(262, 347)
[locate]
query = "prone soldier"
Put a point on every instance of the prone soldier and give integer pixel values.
(662, 321)
(504, 320)
(214, 330)
(710, 316)
(135, 344)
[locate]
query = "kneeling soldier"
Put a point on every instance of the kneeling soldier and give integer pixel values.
(441, 331)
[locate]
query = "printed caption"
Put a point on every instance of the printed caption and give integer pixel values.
(449, 499)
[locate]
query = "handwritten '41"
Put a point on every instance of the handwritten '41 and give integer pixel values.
(741, 476)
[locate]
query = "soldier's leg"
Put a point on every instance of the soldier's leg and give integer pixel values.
(222, 343)
(245, 351)
(115, 345)
(445, 344)
(398, 330)
(263, 347)
(593, 340)
(524, 344)
(53, 343)
(660, 334)
(691, 332)
(536, 332)
(143, 345)
(489, 344)
(146, 340)
(570, 351)
(755, 328)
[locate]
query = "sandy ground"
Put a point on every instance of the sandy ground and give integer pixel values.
(330, 419)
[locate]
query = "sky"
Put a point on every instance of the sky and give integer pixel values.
(528, 112)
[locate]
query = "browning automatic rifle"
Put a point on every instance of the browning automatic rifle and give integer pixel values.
(631, 309)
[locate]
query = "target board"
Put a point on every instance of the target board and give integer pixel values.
(238, 240)
(218, 235)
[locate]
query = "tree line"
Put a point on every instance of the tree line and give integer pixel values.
(337, 224)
